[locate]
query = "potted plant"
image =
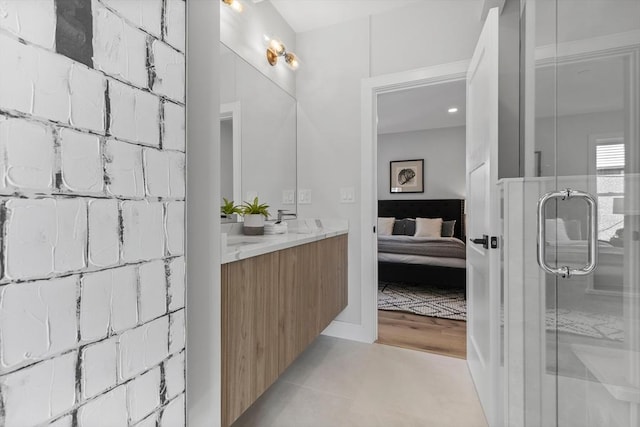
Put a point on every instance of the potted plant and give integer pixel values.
(254, 215)
(230, 211)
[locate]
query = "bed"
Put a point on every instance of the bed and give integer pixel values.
(423, 260)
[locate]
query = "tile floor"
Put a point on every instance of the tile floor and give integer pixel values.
(344, 383)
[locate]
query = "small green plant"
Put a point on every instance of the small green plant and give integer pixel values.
(255, 208)
(228, 208)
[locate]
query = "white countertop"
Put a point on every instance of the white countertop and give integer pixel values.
(238, 246)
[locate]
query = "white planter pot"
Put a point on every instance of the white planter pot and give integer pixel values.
(254, 224)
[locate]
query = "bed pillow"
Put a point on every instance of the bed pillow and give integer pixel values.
(409, 226)
(448, 228)
(428, 227)
(398, 227)
(556, 231)
(385, 226)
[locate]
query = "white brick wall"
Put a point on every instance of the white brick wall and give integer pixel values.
(118, 49)
(37, 320)
(32, 396)
(143, 347)
(34, 21)
(81, 162)
(176, 284)
(123, 168)
(108, 410)
(99, 367)
(153, 290)
(92, 276)
(174, 127)
(169, 70)
(143, 395)
(135, 115)
(20, 169)
(145, 14)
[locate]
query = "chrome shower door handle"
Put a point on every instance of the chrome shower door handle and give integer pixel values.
(592, 256)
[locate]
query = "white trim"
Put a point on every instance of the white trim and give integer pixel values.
(586, 48)
(233, 111)
(371, 87)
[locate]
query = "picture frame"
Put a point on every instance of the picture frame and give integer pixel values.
(406, 176)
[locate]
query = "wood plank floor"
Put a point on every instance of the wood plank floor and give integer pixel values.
(423, 333)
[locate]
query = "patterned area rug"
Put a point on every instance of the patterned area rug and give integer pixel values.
(594, 325)
(434, 301)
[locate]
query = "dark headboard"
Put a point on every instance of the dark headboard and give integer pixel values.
(447, 209)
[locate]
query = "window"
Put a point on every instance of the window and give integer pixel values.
(609, 180)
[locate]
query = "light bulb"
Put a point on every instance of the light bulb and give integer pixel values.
(277, 46)
(292, 60)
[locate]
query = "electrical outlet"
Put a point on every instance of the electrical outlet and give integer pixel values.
(348, 195)
(304, 197)
(288, 197)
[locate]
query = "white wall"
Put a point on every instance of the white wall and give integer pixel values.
(329, 114)
(244, 34)
(443, 151)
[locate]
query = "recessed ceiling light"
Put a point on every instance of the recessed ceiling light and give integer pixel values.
(453, 110)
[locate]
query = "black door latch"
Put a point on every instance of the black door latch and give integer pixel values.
(484, 241)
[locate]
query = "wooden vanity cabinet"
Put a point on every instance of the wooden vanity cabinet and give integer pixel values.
(273, 306)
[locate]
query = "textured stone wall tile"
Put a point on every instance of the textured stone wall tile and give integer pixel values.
(176, 284)
(108, 302)
(156, 173)
(169, 67)
(33, 21)
(66, 421)
(173, 414)
(110, 410)
(87, 91)
(174, 228)
(104, 235)
(19, 71)
(37, 320)
(51, 97)
(175, 19)
(135, 115)
(30, 235)
(176, 332)
(40, 392)
(143, 395)
(99, 367)
(174, 375)
(123, 169)
(81, 162)
(142, 348)
(70, 247)
(150, 421)
(27, 156)
(174, 127)
(143, 231)
(145, 14)
(118, 48)
(153, 290)
(177, 175)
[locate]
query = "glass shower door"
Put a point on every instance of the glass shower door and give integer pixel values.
(583, 153)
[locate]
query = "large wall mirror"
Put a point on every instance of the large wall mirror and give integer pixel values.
(258, 136)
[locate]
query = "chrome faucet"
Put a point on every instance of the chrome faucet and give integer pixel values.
(283, 213)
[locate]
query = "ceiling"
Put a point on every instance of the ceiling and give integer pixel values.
(306, 15)
(422, 108)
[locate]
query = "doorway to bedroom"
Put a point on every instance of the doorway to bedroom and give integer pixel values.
(421, 218)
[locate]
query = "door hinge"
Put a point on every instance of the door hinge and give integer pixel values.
(374, 229)
(494, 242)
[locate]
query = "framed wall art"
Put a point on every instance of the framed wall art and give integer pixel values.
(407, 176)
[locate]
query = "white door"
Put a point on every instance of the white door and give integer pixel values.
(483, 278)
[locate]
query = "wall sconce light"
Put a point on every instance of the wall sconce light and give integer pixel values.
(234, 4)
(276, 49)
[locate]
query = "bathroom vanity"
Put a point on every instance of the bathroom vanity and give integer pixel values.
(278, 294)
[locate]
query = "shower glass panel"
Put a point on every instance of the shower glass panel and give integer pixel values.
(581, 124)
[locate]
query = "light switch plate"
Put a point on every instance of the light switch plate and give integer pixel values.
(347, 195)
(304, 197)
(288, 197)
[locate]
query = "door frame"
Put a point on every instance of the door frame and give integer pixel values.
(370, 89)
